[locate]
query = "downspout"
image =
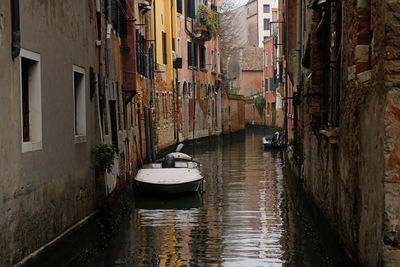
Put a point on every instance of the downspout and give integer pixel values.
(191, 35)
(100, 93)
(16, 33)
(173, 74)
(108, 37)
(154, 49)
(112, 102)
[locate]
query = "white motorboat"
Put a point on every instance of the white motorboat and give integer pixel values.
(178, 173)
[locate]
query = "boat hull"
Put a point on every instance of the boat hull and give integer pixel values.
(167, 189)
(169, 180)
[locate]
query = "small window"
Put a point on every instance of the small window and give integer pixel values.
(219, 63)
(202, 57)
(266, 59)
(195, 56)
(266, 24)
(266, 84)
(164, 47)
(190, 8)
(179, 6)
(79, 103)
(190, 54)
(31, 101)
(266, 8)
(212, 61)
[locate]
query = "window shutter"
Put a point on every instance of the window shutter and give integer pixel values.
(195, 56)
(189, 52)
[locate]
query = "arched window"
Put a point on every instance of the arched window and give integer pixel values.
(185, 89)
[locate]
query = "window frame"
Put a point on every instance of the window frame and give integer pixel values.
(79, 134)
(268, 9)
(34, 98)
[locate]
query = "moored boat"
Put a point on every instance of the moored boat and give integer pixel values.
(178, 173)
(273, 141)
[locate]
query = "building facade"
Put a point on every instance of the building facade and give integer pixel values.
(345, 117)
(49, 124)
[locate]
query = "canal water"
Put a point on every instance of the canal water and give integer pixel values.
(251, 214)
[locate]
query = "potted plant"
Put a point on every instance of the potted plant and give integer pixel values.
(206, 23)
(104, 162)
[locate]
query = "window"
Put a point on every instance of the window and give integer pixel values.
(266, 8)
(219, 63)
(192, 59)
(266, 24)
(189, 53)
(79, 103)
(31, 102)
(266, 84)
(164, 47)
(190, 9)
(179, 6)
(272, 84)
(141, 60)
(179, 47)
(266, 59)
(202, 57)
(195, 56)
(212, 61)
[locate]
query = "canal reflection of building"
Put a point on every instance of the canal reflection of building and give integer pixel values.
(206, 240)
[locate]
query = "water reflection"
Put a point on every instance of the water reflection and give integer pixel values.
(246, 217)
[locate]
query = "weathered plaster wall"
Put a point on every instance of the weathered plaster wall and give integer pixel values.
(45, 191)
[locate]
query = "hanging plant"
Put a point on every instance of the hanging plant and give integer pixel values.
(104, 159)
(208, 18)
(259, 102)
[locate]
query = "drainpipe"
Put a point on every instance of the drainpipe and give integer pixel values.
(16, 33)
(101, 67)
(109, 67)
(153, 49)
(191, 35)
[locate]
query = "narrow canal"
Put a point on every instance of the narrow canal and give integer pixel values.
(249, 215)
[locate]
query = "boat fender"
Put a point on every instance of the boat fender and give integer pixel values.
(169, 162)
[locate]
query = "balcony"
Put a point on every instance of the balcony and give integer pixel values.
(205, 24)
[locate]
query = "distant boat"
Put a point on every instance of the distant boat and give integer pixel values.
(272, 141)
(178, 173)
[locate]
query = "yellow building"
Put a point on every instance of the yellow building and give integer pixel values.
(163, 16)
(164, 34)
